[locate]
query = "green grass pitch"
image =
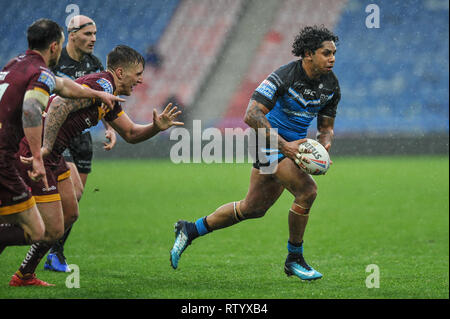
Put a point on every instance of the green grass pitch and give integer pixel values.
(387, 211)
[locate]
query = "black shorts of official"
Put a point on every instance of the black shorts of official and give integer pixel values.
(80, 152)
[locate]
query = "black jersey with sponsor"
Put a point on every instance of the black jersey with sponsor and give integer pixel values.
(68, 67)
(294, 99)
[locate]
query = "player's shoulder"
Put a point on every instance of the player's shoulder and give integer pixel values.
(31, 62)
(34, 65)
(332, 80)
(98, 81)
(64, 60)
(288, 69)
(66, 66)
(94, 60)
(332, 77)
(286, 73)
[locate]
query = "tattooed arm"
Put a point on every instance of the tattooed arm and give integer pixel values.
(32, 127)
(70, 89)
(57, 114)
(255, 117)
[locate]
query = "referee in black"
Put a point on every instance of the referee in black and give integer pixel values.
(76, 61)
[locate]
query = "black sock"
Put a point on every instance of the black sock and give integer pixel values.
(192, 231)
(58, 246)
(33, 257)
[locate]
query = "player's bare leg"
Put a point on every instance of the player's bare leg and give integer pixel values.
(263, 192)
(69, 201)
(78, 180)
(304, 189)
(51, 213)
(56, 260)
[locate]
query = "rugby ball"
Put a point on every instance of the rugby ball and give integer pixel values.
(319, 159)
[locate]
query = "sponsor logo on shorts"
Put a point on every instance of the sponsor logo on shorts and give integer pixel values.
(51, 188)
(19, 197)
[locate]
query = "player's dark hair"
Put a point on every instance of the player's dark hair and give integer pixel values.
(310, 39)
(41, 33)
(123, 56)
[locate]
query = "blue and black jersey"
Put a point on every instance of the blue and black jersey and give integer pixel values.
(294, 100)
(68, 67)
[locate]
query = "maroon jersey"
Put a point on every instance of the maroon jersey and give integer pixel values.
(25, 72)
(82, 119)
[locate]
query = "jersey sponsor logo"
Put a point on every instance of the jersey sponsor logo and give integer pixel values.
(79, 74)
(304, 114)
(3, 75)
(66, 67)
(106, 85)
(88, 121)
(309, 92)
(48, 79)
(325, 98)
(299, 97)
(267, 89)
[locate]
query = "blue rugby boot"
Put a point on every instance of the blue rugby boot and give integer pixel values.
(295, 264)
(185, 233)
(182, 240)
(56, 262)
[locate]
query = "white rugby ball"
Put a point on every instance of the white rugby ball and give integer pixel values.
(319, 158)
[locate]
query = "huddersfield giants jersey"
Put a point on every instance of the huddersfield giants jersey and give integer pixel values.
(68, 67)
(24, 72)
(294, 100)
(87, 117)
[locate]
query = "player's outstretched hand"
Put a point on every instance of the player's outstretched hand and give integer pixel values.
(167, 118)
(109, 100)
(111, 137)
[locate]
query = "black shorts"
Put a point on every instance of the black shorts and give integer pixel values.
(80, 152)
(257, 164)
(264, 157)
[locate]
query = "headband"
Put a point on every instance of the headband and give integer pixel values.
(80, 27)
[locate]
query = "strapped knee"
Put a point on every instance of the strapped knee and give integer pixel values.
(237, 212)
(298, 209)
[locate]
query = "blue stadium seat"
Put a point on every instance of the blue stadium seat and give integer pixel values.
(134, 23)
(402, 67)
